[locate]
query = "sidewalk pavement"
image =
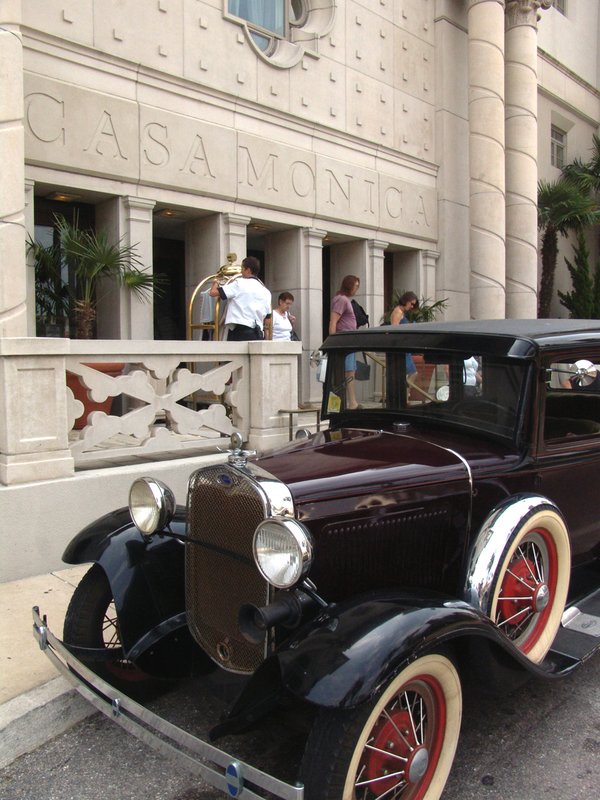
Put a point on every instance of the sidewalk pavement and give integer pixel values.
(35, 703)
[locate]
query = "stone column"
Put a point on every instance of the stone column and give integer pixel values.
(13, 313)
(486, 158)
(139, 233)
(521, 157)
(30, 272)
(372, 292)
(235, 235)
(121, 313)
(311, 310)
(427, 275)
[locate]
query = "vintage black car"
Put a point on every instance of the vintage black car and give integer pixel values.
(441, 530)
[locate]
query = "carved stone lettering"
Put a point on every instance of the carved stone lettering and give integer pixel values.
(154, 147)
(302, 178)
(336, 187)
(196, 161)
(393, 202)
(369, 186)
(105, 136)
(249, 175)
(421, 213)
(45, 117)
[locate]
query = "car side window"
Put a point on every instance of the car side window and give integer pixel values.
(572, 407)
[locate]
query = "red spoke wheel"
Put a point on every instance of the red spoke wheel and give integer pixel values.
(401, 746)
(532, 583)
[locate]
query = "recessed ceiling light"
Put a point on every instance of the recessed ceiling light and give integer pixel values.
(168, 212)
(63, 197)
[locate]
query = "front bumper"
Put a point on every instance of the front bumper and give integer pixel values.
(217, 768)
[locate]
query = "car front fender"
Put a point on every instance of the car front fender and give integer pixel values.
(352, 649)
(146, 576)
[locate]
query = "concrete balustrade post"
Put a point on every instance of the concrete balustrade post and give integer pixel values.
(273, 386)
(34, 443)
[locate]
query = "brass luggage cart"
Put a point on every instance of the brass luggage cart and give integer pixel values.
(226, 273)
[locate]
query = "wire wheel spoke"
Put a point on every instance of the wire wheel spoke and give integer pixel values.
(398, 735)
(526, 593)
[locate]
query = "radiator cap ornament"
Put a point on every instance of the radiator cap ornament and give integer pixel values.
(238, 457)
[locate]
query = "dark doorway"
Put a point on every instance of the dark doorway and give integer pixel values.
(260, 254)
(169, 303)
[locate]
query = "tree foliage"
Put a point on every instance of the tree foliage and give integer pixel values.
(426, 312)
(90, 258)
(562, 207)
(583, 302)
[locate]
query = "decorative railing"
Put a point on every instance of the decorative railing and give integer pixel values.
(168, 399)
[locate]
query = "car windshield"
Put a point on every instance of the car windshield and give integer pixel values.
(467, 389)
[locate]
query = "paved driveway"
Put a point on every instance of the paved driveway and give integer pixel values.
(542, 742)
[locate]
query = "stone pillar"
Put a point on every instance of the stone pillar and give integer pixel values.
(204, 252)
(30, 280)
(521, 158)
(372, 291)
(311, 310)
(486, 158)
(13, 312)
(235, 235)
(121, 313)
(452, 149)
(139, 233)
(427, 275)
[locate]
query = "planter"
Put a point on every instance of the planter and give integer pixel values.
(421, 381)
(80, 392)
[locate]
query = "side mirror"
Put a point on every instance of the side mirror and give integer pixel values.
(581, 373)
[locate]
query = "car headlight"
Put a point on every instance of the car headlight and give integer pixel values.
(283, 551)
(151, 505)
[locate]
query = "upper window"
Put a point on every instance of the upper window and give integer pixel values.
(481, 392)
(560, 5)
(558, 147)
(572, 407)
(268, 20)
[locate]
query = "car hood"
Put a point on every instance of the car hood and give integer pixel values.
(355, 462)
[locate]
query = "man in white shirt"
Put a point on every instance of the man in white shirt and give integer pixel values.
(248, 303)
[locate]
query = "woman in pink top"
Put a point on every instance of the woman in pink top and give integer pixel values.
(342, 319)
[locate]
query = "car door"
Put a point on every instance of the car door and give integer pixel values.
(569, 444)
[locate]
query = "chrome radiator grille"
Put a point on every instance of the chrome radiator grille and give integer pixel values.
(224, 508)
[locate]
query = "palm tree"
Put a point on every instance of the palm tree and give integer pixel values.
(562, 207)
(92, 257)
(586, 174)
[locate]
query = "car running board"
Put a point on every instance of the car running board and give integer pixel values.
(578, 637)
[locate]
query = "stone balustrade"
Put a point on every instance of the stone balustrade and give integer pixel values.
(170, 398)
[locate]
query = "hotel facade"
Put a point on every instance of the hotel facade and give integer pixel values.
(398, 140)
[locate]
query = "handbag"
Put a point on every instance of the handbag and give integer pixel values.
(363, 370)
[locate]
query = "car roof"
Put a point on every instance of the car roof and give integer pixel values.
(519, 338)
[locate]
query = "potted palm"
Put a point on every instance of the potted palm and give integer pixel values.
(90, 259)
(426, 311)
(52, 296)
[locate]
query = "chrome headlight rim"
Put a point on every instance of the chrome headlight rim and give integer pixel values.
(151, 505)
(300, 545)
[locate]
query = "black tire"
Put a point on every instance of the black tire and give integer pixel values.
(413, 756)
(91, 621)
